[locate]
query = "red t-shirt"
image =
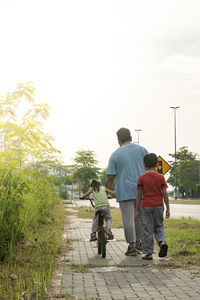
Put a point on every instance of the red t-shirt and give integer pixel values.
(152, 184)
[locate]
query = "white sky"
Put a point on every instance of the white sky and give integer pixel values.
(102, 65)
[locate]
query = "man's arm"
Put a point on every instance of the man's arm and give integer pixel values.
(109, 180)
(110, 192)
(138, 201)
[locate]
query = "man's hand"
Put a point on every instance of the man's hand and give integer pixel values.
(113, 195)
(136, 215)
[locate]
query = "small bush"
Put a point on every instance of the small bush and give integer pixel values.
(63, 194)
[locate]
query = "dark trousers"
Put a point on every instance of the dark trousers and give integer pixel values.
(152, 223)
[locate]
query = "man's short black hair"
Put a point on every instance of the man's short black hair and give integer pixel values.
(150, 160)
(124, 135)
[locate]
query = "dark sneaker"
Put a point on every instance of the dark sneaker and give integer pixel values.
(163, 249)
(148, 256)
(138, 245)
(131, 251)
(109, 234)
(93, 237)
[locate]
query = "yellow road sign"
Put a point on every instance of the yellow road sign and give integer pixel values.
(163, 167)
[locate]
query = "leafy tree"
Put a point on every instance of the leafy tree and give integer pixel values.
(85, 168)
(188, 177)
(182, 155)
(23, 137)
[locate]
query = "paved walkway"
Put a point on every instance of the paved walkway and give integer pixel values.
(118, 276)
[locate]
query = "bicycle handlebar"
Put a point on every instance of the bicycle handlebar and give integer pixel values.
(91, 200)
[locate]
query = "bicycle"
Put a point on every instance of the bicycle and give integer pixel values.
(102, 238)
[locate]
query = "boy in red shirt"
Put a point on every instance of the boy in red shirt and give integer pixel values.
(152, 190)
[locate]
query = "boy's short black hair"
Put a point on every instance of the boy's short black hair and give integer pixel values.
(150, 160)
(124, 135)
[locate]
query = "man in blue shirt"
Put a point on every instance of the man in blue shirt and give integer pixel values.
(126, 163)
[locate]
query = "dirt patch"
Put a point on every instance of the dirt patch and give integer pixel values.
(170, 266)
(175, 265)
(183, 253)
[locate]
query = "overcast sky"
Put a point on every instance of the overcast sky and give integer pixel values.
(102, 65)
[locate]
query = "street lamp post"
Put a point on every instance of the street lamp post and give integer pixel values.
(138, 131)
(175, 108)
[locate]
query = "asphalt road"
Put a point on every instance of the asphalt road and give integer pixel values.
(185, 210)
(177, 210)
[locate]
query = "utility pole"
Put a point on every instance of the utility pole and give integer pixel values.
(175, 108)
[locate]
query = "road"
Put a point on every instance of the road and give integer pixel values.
(177, 210)
(185, 210)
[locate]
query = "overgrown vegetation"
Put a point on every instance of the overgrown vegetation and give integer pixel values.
(30, 263)
(28, 195)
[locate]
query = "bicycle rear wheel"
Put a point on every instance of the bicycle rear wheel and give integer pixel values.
(103, 242)
(99, 247)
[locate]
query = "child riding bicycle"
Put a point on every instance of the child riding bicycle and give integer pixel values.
(101, 204)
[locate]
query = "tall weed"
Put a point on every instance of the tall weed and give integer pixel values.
(13, 186)
(27, 198)
(27, 195)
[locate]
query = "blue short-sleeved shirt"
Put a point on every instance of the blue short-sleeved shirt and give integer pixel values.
(127, 164)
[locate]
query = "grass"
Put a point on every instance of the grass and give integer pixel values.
(184, 201)
(86, 212)
(31, 262)
(182, 235)
(183, 238)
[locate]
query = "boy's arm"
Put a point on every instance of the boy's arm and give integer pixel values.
(87, 194)
(138, 201)
(110, 192)
(166, 200)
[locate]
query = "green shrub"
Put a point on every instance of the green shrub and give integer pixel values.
(63, 193)
(26, 200)
(13, 185)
